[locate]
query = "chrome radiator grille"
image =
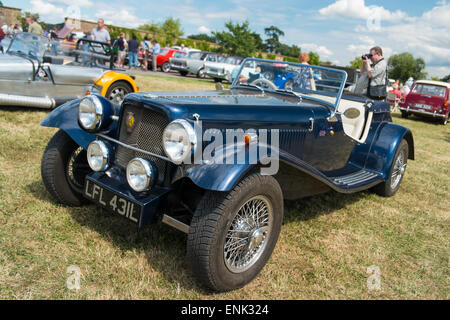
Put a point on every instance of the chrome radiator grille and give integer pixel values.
(146, 135)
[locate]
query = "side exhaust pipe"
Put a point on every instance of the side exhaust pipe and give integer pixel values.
(35, 102)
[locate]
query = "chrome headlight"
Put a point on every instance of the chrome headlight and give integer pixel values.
(98, 156)
(140, 174)
(90, 113)
(178, 140)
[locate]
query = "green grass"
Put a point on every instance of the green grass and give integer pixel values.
(326, 244)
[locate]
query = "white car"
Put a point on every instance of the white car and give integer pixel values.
(223, 70)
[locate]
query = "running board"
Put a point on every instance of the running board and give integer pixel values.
(355, 178)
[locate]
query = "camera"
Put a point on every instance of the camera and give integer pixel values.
(366, 56)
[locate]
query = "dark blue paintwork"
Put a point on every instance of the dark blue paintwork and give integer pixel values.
(325, 152)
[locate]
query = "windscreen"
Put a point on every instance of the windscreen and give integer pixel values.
(29, 44)
(312, 82)
(429, 89)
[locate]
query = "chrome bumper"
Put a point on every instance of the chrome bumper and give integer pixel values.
(179, 68)
(216, 74)
(421, 111)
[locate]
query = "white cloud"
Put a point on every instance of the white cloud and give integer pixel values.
(78, 3)
(426, 36)
(323, 51)
(203, 29)
(123, 17)
(47, 12)
(357, 9)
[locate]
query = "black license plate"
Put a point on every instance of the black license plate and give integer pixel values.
(112, 201)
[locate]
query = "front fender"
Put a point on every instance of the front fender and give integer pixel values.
(220, 175)
(65, 117)
(111, 77)
(385, 144)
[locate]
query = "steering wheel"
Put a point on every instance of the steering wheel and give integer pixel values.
(265, 83)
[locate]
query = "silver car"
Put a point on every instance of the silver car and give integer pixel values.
(194, 63)
(30, 77)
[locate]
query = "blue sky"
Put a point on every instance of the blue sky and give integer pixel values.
(338, 30)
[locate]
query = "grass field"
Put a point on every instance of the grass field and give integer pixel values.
(326, 244)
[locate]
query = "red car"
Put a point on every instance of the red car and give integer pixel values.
(428, 99)
(162, 61)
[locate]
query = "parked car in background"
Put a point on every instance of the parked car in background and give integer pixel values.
(427, 99)
(163, 59)
(30, 77)
(217, 165)
(194, 62)
(223, 70)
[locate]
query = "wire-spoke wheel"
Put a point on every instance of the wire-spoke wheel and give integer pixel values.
(247, 236)
(398, 168)
(233, 234)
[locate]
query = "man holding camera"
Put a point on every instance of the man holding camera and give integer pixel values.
(375, 66)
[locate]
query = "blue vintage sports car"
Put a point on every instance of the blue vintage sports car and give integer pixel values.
(217, 165)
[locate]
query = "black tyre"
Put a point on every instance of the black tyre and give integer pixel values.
(63, 168)
(444, 121)
(201, 74)
(184, 73)
(398, 168)
(227, 245)
(404, 114)
(117, 91)
(165, 67)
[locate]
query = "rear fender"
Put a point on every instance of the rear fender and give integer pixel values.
(385, 144)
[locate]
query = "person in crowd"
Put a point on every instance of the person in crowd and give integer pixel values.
(54, 40)
(100, 33)
(155, 51)
(122, 45)
(133, 46)
(146, 46)
(396, 90)
(183, 48)
(409, 82)
(33, 26)
(16, 29)
(405, 91)
(2, 36)
(5, 28)
(362, 83)
(85, 45)
(376, 67)
(305, 77)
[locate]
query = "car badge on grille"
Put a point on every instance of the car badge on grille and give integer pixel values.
(130, 122)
